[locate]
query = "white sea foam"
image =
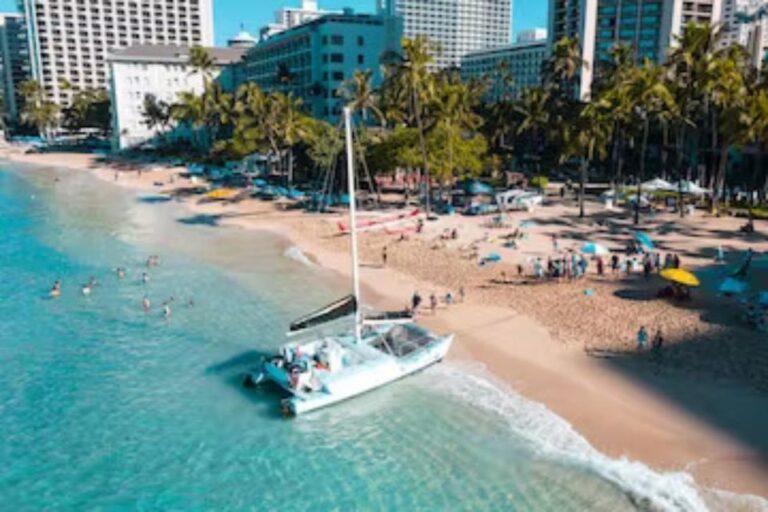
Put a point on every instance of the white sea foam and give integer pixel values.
(551, 436)
(296, 254)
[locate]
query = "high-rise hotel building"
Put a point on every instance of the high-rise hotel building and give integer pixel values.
(457, 27)
(70, 39)
(650, 27)
(14, 60)
(752, 33)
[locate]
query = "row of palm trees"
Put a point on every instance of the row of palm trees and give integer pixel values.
(694, 109)
(687, 113)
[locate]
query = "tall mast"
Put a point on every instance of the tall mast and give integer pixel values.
(353, 220)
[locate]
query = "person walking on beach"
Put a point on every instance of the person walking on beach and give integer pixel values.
(433, 303)
(555, 244)
(657, 346)
(461, 294)
(384, 256)
(448, 298)
(600, 266)
(642, 339)
(415, 302)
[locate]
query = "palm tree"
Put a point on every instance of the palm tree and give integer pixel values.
(564, 65)
(191, 109)
(363, 99)
(202, 63)
(728, 92)
(587, 138)
(410, 80)
(156, 114)
(650, 99)
(37, 110)
(451, 109)
(534, 110)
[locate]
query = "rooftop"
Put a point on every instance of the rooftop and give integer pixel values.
(174, 54)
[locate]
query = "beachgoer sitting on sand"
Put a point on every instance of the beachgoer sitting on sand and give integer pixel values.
(642, 338)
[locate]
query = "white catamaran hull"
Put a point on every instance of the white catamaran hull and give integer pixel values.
(349, 384)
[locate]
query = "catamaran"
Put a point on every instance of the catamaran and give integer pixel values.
(325, 363)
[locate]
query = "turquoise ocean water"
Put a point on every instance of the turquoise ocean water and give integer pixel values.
(104, 407)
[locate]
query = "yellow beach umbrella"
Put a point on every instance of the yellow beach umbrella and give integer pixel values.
(680, 276)
(222, 193)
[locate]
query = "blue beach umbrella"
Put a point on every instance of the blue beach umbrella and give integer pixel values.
(594, 248)
(644, 240)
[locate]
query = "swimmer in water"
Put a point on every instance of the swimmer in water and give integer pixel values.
(120, 271)
(92, 282)
(56, 289)
(144, 278)
(86, 289)
(166, 310)
(191, 303)
(146, 304)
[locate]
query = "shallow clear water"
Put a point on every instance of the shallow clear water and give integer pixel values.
(104, 407)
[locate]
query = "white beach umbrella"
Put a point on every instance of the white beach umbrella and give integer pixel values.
(689, 187)
(658, 184)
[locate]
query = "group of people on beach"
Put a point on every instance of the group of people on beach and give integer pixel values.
(121, 273)
(448, 299)
(570, 264)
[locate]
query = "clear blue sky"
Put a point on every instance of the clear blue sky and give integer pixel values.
(253, 14)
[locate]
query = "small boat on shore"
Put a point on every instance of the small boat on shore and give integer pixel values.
(343, 354)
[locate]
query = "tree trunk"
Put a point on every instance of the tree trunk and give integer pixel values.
(423, 147)
(641, 173)
(290, 168)
(719, 181)
(582, 185)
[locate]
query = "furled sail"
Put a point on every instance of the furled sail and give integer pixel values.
(339, 309)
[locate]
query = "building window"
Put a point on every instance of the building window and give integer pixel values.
(360, 41)
(338, 75)
(361, 59)
(337, 40)
(337, 57)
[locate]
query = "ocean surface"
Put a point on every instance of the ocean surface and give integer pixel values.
(106, 407)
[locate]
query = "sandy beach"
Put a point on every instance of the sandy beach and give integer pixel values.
(570, 346)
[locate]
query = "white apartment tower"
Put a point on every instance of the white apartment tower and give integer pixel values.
(457, 27)
(745, 22)
(70, 39)
(289, 17)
